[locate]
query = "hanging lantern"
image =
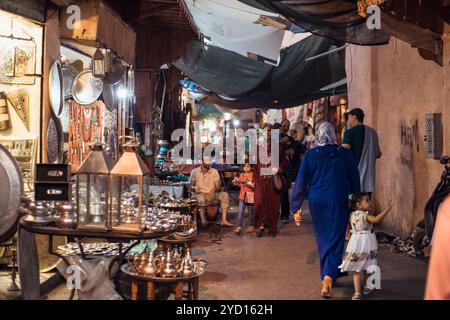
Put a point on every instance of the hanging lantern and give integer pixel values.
(129, 189)
(92, 190)
(98, 64)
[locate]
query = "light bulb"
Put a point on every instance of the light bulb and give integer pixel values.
(122, 92)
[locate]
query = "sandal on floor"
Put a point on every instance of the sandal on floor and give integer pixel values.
(356, 296)
(327, 283)
(238, 230)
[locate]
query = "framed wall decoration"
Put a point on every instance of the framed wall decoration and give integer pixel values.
(18, 62)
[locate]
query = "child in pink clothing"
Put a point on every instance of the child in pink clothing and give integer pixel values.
(246, 198)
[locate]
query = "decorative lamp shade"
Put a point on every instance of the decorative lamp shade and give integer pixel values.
(98, 64)
(93, 197)
(129, 189)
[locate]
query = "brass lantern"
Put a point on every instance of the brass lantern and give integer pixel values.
(129, 191)
(98, 64)
(93, 190)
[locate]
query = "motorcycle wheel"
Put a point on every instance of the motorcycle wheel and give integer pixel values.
(420, 241)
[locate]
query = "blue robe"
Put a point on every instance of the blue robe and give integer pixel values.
(328, 175)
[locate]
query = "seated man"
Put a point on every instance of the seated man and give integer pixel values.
(205, 182)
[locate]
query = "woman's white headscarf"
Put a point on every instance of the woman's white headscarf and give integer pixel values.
(326, 134)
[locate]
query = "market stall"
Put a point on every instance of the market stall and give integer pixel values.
(112, 203)
(68, 110)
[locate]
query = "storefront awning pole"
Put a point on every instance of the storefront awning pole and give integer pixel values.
(326, 53)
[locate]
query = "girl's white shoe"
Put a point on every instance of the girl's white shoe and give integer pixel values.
(356, 296)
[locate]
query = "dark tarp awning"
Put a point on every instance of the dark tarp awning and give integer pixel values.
(207, 64)
(292, 83)
(277, 104)
(334, 19)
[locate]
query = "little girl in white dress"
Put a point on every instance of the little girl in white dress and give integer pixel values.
(362, 249)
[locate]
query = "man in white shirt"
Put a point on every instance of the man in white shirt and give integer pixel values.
(205, 182)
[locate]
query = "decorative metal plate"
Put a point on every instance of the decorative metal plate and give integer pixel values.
(86, 88)
(64, 117)
(116, 73)
(69, 74)
(109, 97)
(54, 141)
(11, 188)
(56, 88)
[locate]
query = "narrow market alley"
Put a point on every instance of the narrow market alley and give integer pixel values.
(287, 268)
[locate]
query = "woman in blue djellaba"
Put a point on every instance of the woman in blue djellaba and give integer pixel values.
(328, 175)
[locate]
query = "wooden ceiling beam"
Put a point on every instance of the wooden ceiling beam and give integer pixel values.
(152, 12)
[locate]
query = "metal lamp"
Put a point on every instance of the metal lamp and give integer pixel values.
(129, 189)
(98, 64)
(92, 190)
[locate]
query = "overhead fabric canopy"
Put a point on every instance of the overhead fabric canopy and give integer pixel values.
(334, 19)
(238, 27)
(241, 83)
(222, 70)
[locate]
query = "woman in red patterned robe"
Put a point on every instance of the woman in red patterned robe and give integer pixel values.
(267, 201)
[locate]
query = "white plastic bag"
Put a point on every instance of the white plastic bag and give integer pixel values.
(90, 278)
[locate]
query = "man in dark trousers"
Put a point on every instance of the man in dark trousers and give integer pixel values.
(293, 151)
(362, 140)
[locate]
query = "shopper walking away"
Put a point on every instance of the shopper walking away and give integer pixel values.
(292, 151)
(362, 140)
(362, 249)
(328, 174)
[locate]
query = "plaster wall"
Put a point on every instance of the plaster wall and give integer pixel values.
(396, 88)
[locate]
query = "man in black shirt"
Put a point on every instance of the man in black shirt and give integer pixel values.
(293, 150)
(365, 152)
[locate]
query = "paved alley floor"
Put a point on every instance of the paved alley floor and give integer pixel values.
(287, 267)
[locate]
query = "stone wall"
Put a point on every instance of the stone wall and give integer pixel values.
(396, 88)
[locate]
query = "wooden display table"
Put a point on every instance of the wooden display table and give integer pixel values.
(174, 285)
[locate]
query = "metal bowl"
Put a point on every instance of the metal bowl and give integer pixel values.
(86, 88)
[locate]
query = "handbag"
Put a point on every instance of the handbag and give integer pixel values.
(279, 182)
(249, 197)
